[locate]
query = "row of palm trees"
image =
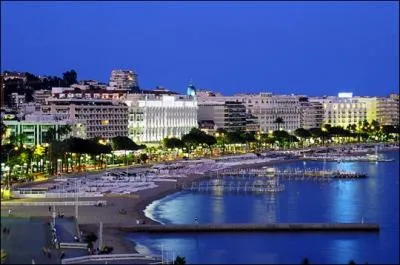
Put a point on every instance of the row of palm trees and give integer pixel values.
(61, 154)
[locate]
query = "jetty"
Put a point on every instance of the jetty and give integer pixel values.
(291, 173)
(281, 227)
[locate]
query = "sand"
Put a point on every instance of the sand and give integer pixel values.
(90, 216)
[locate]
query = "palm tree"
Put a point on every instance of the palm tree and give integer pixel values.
(63, 130)
(50, 135)
(279, 121)
(179, 260)
(19, 139)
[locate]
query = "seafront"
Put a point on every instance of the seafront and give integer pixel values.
(89, 217)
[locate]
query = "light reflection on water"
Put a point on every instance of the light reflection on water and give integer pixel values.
(375, 198)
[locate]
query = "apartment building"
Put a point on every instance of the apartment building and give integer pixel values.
(84, 92)
(39, 96)
(124, 79)
(311, 114)
(342, 110)
(228, 115)
(267, 108)
(35, 127)
(154, 117)
(17, 100)
(388, 110)
(100, 117)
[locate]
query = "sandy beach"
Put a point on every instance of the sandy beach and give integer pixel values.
(90, 216)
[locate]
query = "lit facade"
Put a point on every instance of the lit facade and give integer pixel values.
(36, 127)
(155, 117)
(267, 108)
(311, 114)
(100, 117)
(388, 110)
(39, 96)
(343, 111)
(124, 79)
(228, 115)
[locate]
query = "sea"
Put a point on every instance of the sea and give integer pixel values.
(374, 199)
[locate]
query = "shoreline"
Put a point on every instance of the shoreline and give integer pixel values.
(135, 205)
(155, 196)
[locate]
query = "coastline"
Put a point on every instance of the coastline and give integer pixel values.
(135, 206)
(158, 193)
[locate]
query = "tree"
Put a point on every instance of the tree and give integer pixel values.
(209, 140)
(234, 137)
(19, 139)
(180, 260)
(279, 121)
(70, 77)
(50, 135)
(303, 134)
(3, 130)
(305, 261)
(172, 143)
(63, 130)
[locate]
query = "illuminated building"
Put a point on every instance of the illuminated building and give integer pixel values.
(228, 115)
(388, 110)
(346, 109)
(35, 126)
(100, 117)
(124, 79)
(153, 117)
(267, 108)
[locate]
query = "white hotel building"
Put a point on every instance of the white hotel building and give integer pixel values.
(267, 108)
(345, 109)
(154, 117)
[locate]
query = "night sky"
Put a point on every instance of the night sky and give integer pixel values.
(312, 48)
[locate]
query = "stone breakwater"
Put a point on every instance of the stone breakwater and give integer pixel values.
(282, 227)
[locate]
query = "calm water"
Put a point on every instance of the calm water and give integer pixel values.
(376, 198)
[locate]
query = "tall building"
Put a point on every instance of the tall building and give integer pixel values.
(345, 109)
(100, 117)
(154, 117)
(267, 108)
(311, 114)
(388, 110)
(228, 115)
(124, 79)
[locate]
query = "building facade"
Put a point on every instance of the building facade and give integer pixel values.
(388, 110)
(100, 117)
(35, 127)
(345, 109)
(124, 79)
(311, 114)
(155, 117)
(267, 108)
(39, 96)
(228, 115)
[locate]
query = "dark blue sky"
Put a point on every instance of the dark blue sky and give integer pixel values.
(311, 48)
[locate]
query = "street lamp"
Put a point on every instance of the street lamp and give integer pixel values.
(8, 162)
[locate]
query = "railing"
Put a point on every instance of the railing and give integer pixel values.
(73, 245)
(44, 194)
(108, 258)
(59, 203)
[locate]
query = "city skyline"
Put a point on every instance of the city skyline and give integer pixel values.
(312, 52)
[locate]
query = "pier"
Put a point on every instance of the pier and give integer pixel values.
(297, 174)
(282, 227)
